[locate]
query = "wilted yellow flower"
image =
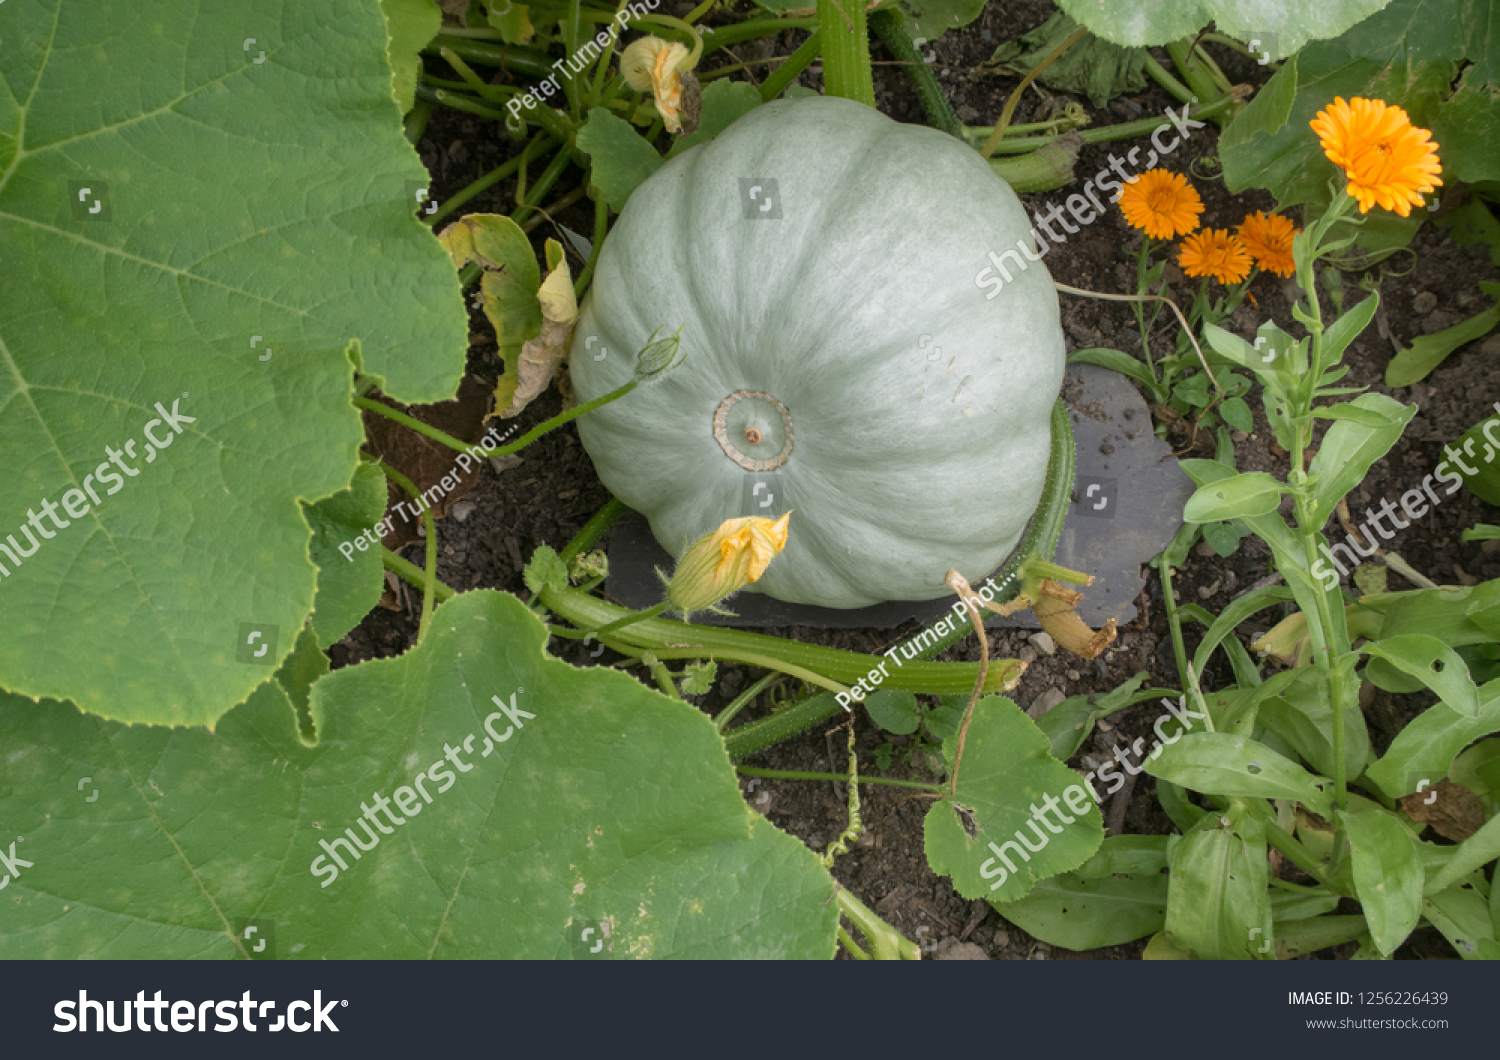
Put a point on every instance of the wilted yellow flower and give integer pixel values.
(650, 64)
(725, 561)
(1389, 161)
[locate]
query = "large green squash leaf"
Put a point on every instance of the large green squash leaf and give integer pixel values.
(350, 578)
(1019, 814)
(411, 23)
(604, 803)
(204, 214)
(1282, 26)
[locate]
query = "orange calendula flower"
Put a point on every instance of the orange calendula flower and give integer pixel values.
(1161, 204)
(1268, 238)
(1217, 253)
(725, 561)
(1389, 161)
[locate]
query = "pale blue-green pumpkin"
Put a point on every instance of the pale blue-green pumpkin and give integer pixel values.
(837, 262)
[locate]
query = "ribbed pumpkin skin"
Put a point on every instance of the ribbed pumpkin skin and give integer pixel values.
(902, 465)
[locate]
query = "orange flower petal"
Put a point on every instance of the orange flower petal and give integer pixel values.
(1215, 252)
(1388, 161)
(1161, 204)
(1268, 239)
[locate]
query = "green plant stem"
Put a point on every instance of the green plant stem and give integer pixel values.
(569, 27)
(563, 418)
(1230, 43)
(408, 571)
(842, 778)
(464, 86)
(934, 102)
(416, 122)
(543, 185)
(1328, 634)
(1321, 630)
(417, 425)
(731, 655)
(541, 142)
(695, 52)
(487, 91)
(744, 699)
(543, 215)
(1158, 73)
(664, 680)
(1297, 888)
(765, 732)
(831, 666)
(446, 98)
(1015, 96)
(430, 525)
(637, 616)
(849, 944)
(977, 135)
(795, 63)
(1198, 69)
(886, 943)
(1174, 621)
(601, 67)
(509, 57)
(1142, 267)
(601, 229)
(1296, 853)
(723, 36)
(593, 530)
(846, 51)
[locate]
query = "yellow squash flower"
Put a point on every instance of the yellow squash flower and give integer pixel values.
(1161, 204)
(1389, 161)
(650, 64)
(1268, 238)
(725, 561)
(1214, 252)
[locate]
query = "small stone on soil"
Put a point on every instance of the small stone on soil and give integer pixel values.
(1045, 702)
(1043, 643)
(951, 949)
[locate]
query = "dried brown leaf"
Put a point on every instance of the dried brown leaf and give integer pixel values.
(1452, 810)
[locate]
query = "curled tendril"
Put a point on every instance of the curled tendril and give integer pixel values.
(1206, 167)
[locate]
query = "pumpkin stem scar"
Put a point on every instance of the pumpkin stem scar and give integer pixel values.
(768, 409)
